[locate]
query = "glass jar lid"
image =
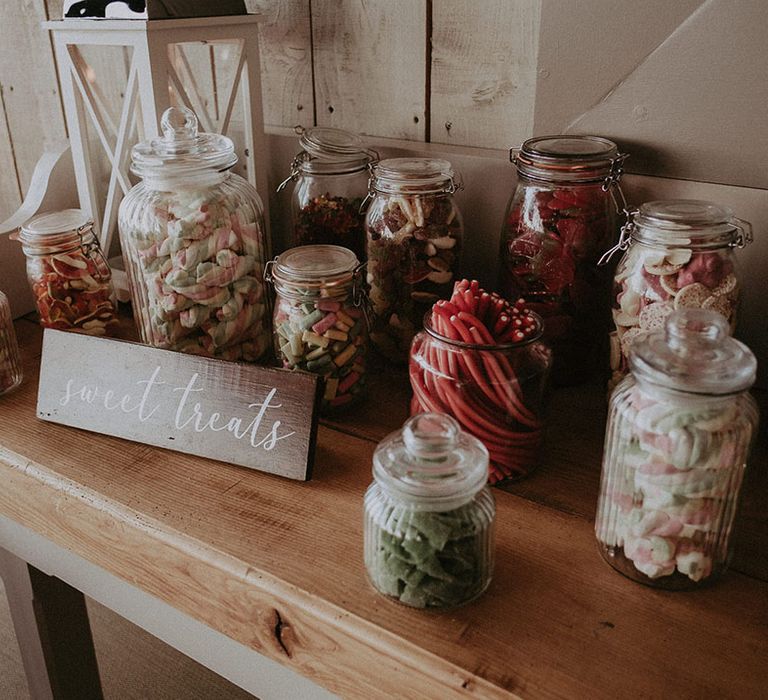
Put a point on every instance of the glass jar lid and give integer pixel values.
(182, 150)
(332, 151)
(311, 268)
(414, 176)
(56, 231)
(431, 464)
(567, 158)
(694, 353)
(689, 223)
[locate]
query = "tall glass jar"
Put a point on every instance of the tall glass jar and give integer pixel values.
(429, 517)
(319, 324)
(10, 362)
(561, 217)
(679, 254)
(414, 231)
(331, 176)
(193, 242)
(69, 275)
(495, 391)
(679, 433)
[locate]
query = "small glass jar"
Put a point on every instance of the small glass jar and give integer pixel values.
(495, 392)
(192, 234)
(560, 218)
(331, 176)
(319, 324)
(679, 433)
(429, 516)
(678, 254)
(10, 362)
(414, 231)
(69, 275)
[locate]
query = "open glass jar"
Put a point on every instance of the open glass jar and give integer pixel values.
(319, 323)
(331, 176)
(414, 231)
(680, 428)
(69, 275)
(678, 254)
(560, 218)
(10, 362)
(429, 516)
(193, 242)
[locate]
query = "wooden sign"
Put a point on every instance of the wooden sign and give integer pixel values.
(257, 417)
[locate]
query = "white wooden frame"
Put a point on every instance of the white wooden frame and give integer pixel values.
(152, 76)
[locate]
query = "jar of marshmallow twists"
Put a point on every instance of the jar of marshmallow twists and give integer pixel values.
(10, 361)
(319, 320)
(192, 234)
(679, 255)
(679, 434)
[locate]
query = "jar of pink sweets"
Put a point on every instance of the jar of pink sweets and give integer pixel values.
(680, 429)
(192, 234)
(678, 254)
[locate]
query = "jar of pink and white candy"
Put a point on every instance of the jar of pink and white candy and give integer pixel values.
(679, 254)
(193, 241)
(679, 434)
(319, 320)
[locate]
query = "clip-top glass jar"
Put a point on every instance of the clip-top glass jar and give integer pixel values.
(331, 176)
(193, 242)
(10, 362)
(429, 516)
(414, 231)
(561, 217)
(69, 275)
(319, 321)
(679, 254)
(679, 432)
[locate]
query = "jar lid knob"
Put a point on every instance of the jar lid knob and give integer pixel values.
(697, 327)
(431, 436)
(179, 126)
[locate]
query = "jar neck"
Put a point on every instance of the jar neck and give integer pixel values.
(177, 182)
(311, 290)
(672, 395)
(461, 346)
(83, 240)
(692, 239)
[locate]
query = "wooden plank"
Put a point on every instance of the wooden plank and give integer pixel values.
(10, 192)
(370, 63)
(483, 87)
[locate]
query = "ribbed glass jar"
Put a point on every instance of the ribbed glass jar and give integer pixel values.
(10, 362)
(192, 234)
(680, 429)
(429, 516)
(679, 254)
(414, 230)
(319, 322)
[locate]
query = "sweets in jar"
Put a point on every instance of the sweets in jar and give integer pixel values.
(10, 361)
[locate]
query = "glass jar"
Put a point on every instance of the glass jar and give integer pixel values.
(319, 324)
(679, 433)
(69, 275)
(678, 254)
(10, 362)
(192, 234)
(561, 217)
(414, 231)
(429, 517)
(331, 176)
(495, 391)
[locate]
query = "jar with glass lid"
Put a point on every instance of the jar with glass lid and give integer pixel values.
(68, 273)
(319, 320)
(429, 516)
(680, 428)
(414, 230)
(331, 181)
(192, 234)
(678, 254)
(560, 218)
(10, 361)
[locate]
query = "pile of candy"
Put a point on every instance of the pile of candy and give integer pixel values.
(327, 336)
(199, 264)
(670, 509)
(484, 371)
(73, 291)
(413, 247)
(332, 221)
(652, 283)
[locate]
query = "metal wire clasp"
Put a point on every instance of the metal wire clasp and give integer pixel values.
(92, 250)
(625, 238)
(743, 233)
(268, 271)
(295, 171)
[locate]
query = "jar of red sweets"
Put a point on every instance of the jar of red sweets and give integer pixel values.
(561, 216)
(679, 254)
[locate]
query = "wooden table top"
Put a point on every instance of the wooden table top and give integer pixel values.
(278, 565)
